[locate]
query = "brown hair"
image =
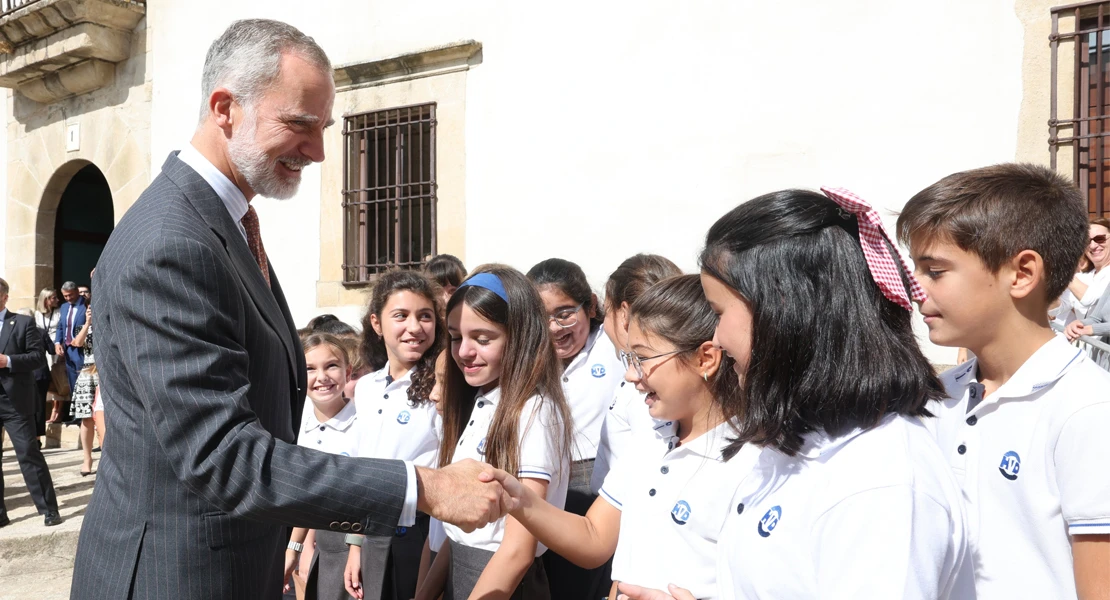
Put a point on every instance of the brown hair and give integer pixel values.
(315, 340)
(635, 275)
(998, 211)
(529, 367)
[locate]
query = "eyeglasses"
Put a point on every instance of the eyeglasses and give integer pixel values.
(568, 317)
(635, 360)
(1099, 239)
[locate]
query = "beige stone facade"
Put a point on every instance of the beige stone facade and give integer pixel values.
(114, 123)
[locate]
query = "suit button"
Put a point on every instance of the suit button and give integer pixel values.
(334, 526)
(356, 527)
(345, 526)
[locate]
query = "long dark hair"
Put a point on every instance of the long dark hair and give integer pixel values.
(676, 310)
(570, 279)
(373, 351)
(828, 350)
(528, 367)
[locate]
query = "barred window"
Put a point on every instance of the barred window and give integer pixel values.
(389, 191)
(1080, 45)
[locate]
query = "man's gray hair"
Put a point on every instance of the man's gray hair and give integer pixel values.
(246, 59)
(3, 288)
(69, 286)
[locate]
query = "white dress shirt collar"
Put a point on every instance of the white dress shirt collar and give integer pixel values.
(233, 198)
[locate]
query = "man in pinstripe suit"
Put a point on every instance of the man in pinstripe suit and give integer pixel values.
(199, 359)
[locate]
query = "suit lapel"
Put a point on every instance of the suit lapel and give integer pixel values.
(214, 213)
(6, 334)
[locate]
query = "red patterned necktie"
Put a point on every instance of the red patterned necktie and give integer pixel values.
(254, 240)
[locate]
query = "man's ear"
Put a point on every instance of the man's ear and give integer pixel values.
(1026, 273)
(220, 108)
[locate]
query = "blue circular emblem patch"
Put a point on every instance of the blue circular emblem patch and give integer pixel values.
(403, 417)
(769, 521)
(1011, 464)
(482, 447)
(598, 371)
(681, 512)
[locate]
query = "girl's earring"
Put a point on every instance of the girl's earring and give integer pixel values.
(705, 376)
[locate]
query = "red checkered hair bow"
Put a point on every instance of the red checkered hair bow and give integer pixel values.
(883, 259)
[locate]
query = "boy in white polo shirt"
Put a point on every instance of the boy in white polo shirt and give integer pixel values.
(1026, 427)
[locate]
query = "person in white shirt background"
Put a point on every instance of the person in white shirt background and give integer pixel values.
(503, 405)
(592, 372)
(627, 412)
(1086, 287)
(403, 335)
(327, 425)
(850, 497)
(661, 508)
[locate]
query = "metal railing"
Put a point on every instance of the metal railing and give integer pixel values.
(10, 6)
(1093, 342)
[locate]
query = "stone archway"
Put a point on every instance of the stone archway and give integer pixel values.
(46, 222)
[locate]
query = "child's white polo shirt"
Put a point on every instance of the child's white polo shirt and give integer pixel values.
(674, 500)
(1032, 460)
(337, 435)
(870, 514)
(539, 459)
(390, 426)
(589, 382)
(626, 419)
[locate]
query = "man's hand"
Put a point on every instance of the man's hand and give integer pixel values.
(454, 494)
(58, 350)
(3, 361)
(635, 592)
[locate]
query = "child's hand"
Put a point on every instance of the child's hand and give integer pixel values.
(352, 574)
(290, 563)
(513, 488)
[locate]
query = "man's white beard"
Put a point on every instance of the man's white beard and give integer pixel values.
(256, 167)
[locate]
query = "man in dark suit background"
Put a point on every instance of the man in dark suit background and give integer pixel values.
(71, 318)
(21, 353)
(201, 366)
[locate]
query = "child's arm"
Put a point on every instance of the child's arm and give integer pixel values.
(586, 541)
(291, 555)
(514, 556)
(352, 574)
(425, 562)
(431, 587)
(306, 554)
(1091, 558)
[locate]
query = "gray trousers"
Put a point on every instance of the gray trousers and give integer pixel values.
(467, 565)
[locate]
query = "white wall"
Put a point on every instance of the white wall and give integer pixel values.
(597, 130)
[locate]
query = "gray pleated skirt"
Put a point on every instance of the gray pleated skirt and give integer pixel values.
(328, 565)
(467, 565)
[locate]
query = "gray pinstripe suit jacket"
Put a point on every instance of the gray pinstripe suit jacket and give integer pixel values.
(204, 378)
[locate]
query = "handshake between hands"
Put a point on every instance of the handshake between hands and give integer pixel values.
(470, 495)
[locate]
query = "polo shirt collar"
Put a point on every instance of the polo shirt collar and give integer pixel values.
(711, 443)
(342, 420)
(1048, 364)
(818, 444)
(490, 397)
(382, 376)
(584, 353)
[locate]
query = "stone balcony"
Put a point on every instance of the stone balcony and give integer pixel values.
(54, 49)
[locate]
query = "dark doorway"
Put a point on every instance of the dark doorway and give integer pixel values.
(85, 220)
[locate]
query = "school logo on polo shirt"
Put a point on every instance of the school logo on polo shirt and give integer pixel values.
(482, 447)
(681, 512)
(598, 370)
(1011, 464)
(404, 417)
(770, 521)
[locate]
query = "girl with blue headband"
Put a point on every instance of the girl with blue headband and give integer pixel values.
(503, 405)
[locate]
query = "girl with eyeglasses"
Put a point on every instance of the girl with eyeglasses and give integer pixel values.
(1088, 285)
(665, 500)
(591, 374)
